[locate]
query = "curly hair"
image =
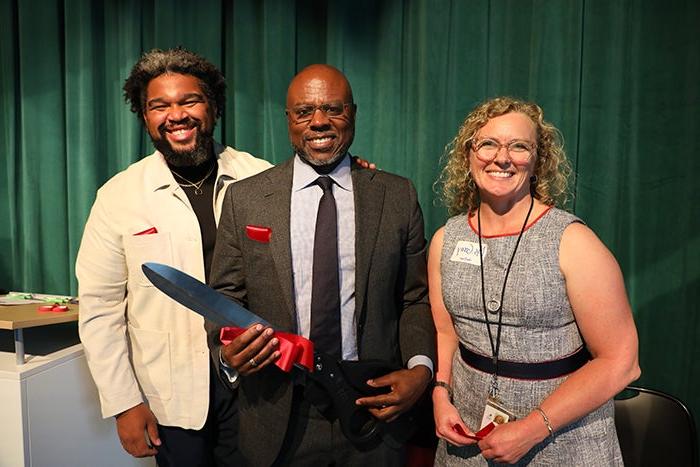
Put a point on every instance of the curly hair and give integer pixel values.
(157, 62)
(458, 190)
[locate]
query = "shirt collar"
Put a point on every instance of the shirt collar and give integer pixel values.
(305, 175)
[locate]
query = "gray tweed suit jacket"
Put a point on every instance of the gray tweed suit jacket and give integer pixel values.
(393, 314)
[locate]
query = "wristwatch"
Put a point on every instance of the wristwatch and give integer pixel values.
(442, 384)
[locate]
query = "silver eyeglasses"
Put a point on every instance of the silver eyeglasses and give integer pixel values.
(518, 150)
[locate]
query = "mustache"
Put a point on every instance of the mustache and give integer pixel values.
(188, 122)
(199, 154)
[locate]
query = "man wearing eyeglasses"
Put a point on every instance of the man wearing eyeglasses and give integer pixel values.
(320, 247)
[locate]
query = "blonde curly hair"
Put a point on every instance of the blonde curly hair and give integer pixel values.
(459, 192)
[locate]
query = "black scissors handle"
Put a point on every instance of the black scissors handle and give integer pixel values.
(358, 425)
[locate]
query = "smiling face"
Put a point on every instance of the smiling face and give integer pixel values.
(324, 139)
(503, 178)
(179, 119)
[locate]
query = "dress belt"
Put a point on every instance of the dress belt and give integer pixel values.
(540, 370)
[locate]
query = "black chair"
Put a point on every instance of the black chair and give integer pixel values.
(655, 429)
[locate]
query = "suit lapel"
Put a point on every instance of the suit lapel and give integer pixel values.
(369, 202)
(276, 203)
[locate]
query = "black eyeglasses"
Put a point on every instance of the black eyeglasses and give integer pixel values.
(305, 112)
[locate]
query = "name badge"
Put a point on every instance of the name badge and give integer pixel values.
(468, 252)
(494, 412)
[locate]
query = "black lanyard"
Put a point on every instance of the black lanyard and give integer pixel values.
(495, 347)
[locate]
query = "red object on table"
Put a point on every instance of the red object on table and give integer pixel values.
(55, 308)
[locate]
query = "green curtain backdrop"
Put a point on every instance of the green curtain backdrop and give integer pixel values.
(618, 77)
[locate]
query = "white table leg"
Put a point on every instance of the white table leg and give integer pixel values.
(19, 347)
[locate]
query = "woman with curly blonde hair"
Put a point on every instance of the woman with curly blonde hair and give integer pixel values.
(552, 168)
(534, 330)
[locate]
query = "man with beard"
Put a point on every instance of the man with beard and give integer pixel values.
(148, 355)
(320, 247)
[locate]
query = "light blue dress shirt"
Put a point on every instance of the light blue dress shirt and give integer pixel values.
(306, 196)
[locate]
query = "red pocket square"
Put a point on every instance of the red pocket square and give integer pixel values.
(150, 231)
(258, 233)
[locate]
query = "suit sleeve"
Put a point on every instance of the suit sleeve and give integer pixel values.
(227, 275)
(416, 328)
(102, 276)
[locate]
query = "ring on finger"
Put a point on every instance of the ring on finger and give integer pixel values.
(252, 362)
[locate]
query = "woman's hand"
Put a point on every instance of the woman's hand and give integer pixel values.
(509, 442)
(447, 418)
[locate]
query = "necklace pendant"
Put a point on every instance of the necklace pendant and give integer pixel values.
(198, 191)
(493, 306)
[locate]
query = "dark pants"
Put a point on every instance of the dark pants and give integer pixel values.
(216, 444)
(313, 440)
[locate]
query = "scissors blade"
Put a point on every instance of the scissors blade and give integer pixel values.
(199, 297)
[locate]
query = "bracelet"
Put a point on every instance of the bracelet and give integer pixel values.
(442, 384)
(546, 421)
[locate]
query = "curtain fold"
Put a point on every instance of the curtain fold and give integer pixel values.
(9, 114)
(619, 79)
(260, 59)
(40, 156)
(637, 172)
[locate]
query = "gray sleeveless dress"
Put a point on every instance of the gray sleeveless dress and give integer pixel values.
(538, 325)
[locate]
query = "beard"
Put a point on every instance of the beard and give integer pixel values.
(320, 162)
(201, 153)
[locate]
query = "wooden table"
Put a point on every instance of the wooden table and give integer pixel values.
(18, 317)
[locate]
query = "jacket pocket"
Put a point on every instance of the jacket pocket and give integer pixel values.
(150, 356)
(139, 249)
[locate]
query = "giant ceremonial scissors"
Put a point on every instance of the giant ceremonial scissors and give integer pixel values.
(343, 381)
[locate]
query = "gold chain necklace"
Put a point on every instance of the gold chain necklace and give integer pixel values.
(196, 185)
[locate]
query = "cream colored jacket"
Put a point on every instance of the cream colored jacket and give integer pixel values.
(140, 344)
